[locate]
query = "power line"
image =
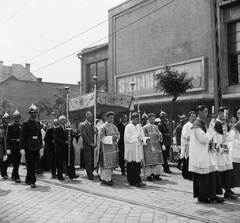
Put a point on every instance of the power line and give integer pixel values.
(15, 13)
(62, 43)
(105, 36)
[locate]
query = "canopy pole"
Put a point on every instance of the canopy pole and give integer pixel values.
(95, 78)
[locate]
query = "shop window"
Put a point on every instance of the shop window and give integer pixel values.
(98, 69)
(234, 52)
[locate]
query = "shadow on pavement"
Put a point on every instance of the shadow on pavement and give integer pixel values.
(40, 188)
(4, 192)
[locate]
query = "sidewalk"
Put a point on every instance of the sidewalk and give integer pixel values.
(81, 200)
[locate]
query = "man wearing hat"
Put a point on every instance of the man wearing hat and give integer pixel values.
(13, 139)
(31, 143)
(163, 127)
(4, 127)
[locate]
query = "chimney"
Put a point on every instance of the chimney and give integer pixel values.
(39, 80)
(27, 67)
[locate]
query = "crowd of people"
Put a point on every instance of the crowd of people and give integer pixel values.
(206, 151)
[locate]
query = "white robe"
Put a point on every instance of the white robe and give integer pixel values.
(234, 136)
(134, 146)
(185, 140)
(201, 160)
(224, 160)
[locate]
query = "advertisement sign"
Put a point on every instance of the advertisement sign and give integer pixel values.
(145, 80)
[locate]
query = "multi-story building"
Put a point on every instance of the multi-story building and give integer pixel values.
(199, 37)
(23, 88)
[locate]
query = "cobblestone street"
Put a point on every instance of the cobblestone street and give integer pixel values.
(81, 200)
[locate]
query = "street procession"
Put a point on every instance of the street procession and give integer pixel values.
(205, 146)
(120, 111)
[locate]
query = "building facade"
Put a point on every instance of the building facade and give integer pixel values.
(29, 89)
(199, 37)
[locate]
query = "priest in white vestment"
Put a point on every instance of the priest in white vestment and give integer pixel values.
(202, 160)
(134, 139)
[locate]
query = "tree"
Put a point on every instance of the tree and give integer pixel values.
(173, 83)
(6, 105)
(60, 102)
(44, 105)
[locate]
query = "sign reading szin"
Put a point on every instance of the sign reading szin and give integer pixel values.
(145, 80)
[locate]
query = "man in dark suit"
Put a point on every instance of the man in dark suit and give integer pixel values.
(121, 129)
(88, 132)
(62, 145)
(50, 145)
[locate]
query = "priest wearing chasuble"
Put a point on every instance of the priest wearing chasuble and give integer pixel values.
(202, 160)
(152, 151)
(109, 136)
(134, 139)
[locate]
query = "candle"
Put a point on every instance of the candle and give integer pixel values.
(212, 109)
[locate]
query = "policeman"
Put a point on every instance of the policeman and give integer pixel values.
(13, 139)
(4, 127)
(31, 142)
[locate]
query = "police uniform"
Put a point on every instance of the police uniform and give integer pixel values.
(13, 139)
(3, 148)
(31, 142)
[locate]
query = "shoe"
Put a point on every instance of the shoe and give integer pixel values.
(217, 199)
(168, 171)
(157, 178)
(141, 184)
(60, 178)
(123, 174)
(231, 192)
(54, 176)
(230, 196)
(150, 178)
(74, 177)
(33, 185)
(109, 183)
(18, 181)
(5, 177)
(92, 178)
(27, 182)
(204, 200)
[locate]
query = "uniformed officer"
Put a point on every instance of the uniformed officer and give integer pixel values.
(13, 139)
(31, 142)
(3, 147)
(4, 127)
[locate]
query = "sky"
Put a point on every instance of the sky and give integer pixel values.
(28, 28)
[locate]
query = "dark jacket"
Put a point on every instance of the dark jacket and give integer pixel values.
(49, 138)
(13, 136)
(87, 135)
(31, 136)
(178, 134)
(3, 146)
(61, 136)
(164, 129)
(121, 129)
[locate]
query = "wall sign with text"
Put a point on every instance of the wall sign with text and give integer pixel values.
(145, 81)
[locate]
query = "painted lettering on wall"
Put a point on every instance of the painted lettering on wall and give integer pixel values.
(145, 81)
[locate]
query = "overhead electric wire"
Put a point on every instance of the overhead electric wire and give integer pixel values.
(106, 36)
(15, 13)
